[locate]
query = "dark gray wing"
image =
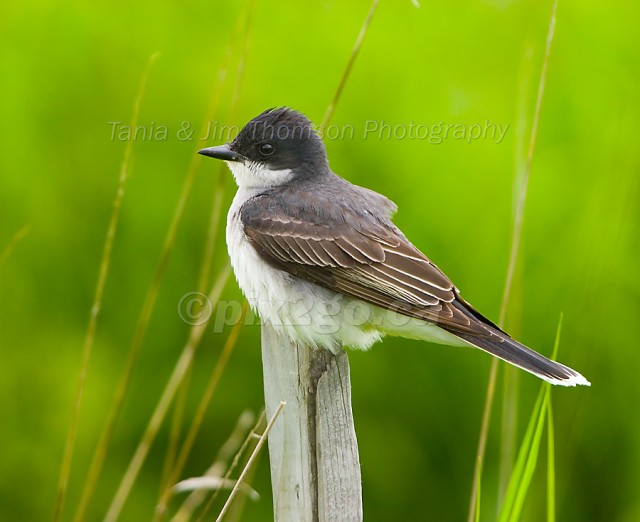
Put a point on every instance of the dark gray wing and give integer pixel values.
(359, 254)
(363, 255)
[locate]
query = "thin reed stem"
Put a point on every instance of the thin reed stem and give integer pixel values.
(205, 265)
(513, 257)
(251, 436)
(13, 242)
(179, 371)
(141, 328)
(252, 458)
(103, 272)
(347, 70)
(216, 212)
(212, 385)
(234, 447)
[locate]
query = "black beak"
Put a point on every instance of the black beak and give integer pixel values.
(222, 152)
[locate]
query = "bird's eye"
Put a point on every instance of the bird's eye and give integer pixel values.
(266, 149)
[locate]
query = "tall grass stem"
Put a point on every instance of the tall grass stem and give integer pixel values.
(513, 258)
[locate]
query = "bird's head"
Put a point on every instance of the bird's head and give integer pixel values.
(273, 149)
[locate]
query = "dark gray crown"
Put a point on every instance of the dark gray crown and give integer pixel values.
(282, 138)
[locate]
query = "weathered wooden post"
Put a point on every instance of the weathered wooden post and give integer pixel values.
(313, 452)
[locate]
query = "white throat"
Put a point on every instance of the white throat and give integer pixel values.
(249, 174)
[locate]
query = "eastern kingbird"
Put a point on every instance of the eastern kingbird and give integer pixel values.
(321, 261)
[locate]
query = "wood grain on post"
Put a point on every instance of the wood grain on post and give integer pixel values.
(313, 452)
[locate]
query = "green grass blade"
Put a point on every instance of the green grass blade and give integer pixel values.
(556, 344)
(551, 447)
(532, 456)
(551, 467)
(528, 454)
(477, 511)
(513, 493)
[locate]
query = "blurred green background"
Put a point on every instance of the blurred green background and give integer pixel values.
(68, 69)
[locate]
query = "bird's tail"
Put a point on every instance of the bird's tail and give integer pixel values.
(519, 355)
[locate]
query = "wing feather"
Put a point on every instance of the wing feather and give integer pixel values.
(312, 257)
